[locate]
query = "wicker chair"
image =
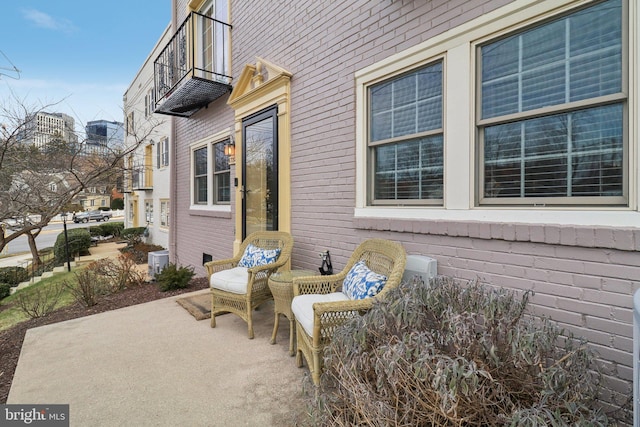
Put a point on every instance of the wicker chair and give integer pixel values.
(331, 309)
(244, 300)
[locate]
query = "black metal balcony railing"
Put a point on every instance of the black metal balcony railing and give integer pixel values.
(140, 178)
(192, 70)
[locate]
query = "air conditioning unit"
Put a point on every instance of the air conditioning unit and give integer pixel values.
(419, 269)
(158, 260)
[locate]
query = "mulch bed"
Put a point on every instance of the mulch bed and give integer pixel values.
(11, 339)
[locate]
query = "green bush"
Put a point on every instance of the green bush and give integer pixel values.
(132, 232)
(5, 290)
(112, 228)
(107, 229)
(13, 275)
(456, 354)
(174, 277)
(79, 243)
(117, 204)
(95, 230)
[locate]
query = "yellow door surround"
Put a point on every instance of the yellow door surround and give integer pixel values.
(260, 86)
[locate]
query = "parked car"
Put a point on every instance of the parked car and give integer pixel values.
(17, 223)
(92, 216)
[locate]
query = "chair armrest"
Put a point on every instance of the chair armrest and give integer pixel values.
(317, 284)
(223, 264)
(327, 316)
(349, 306)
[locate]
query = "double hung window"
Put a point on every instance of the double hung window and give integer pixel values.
(200, 177)
(162, 153)
(406, 138)
(552, 104)
(211, 175)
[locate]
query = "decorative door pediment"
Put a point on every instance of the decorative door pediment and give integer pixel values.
(256, 79)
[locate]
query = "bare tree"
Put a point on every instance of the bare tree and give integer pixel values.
(37, 183)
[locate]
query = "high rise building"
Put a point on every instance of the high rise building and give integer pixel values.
(42, 127)
(103, 136)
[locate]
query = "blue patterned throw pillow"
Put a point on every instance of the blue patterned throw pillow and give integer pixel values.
(254, 256)
(361, 282)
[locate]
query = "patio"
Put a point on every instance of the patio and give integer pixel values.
(154, 364)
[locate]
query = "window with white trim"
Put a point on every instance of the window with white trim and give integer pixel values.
(406, 138)
(552, 105)
(200, 176)
(162, 153)
(148, 211)
(164, 213)
(221, 174)
(211, 174)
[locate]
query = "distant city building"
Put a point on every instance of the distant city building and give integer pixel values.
(103, 136)
(42, 127)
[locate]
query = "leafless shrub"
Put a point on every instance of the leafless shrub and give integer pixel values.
(454, 354)
(104, 277)
(88, 287)
(40, 301)
(120, 273)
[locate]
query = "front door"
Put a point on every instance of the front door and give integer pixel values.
(260, 172)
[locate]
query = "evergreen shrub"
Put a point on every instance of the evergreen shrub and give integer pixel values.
(5, 290)
(79, 243)
(13, 275)
(173, 277)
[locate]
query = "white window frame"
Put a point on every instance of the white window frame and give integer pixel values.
(164, 213)
(162, 153)
(148, 211)
(458, 46)
(208, 142)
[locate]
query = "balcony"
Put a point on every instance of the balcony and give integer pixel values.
(141, 179)
(193, 69)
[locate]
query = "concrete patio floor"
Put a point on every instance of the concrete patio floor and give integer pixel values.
(153, 364)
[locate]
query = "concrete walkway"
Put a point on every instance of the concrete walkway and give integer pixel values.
(154, 365)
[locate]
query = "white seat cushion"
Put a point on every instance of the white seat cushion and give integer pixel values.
(233, 280)
(302, 307)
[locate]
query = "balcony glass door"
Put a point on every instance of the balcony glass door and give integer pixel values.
(260, 172)
(214, 38)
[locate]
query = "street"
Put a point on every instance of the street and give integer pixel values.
(46, 238)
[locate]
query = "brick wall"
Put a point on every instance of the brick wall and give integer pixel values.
(583, 278)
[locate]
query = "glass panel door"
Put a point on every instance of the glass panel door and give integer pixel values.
(260, 172)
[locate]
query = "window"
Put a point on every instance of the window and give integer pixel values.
(538, 120)
(148, 211)
(214, 38)
(130, 124)
(164, 213)
(552, 112)
(201, 194)
(406, 138)
(162, 153)
(221, 174)
(211, 173)
(149, 103)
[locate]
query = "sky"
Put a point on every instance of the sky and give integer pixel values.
(80, 55)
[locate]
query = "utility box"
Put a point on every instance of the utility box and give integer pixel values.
(158, 260)
(419, 269)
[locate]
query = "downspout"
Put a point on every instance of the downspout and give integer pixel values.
(173, 246)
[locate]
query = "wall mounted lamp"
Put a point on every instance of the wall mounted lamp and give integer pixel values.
(230, 148)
